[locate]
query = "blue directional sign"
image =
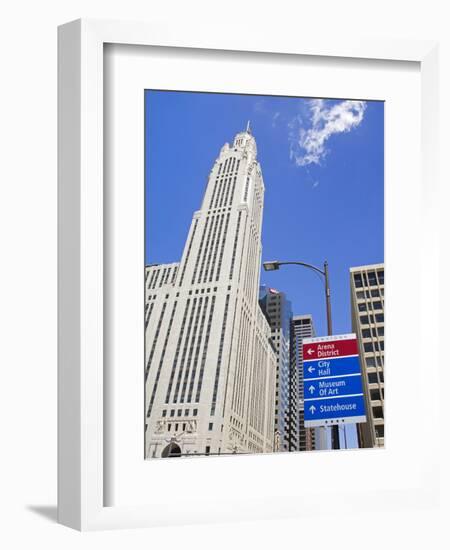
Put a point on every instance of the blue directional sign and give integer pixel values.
(331, 367)
(332, 384)
(333, 409)
(333, 387)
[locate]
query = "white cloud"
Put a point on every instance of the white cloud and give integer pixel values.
(308, 145)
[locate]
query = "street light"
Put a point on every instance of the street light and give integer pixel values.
(271, 266)
(274, 265)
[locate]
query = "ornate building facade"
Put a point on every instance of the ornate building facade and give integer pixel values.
(210, 367)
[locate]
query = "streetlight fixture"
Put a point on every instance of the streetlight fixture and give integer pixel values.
(274, 265)
(271, 266)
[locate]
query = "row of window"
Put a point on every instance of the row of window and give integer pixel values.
(219, 358)
(179, 412)
(376, 360)
(374, 332)
(205, 350)
(371, 278)
(200, 249)
(165, 273)
(207, 251)
(188, 251)
(161, 360)
(155, 340)
(184, 368)
(374, 346)
(372, 293)
(370, 305)
(177, 351)
(236, 237)
(219, 264)
(147, 318)
(377, 318)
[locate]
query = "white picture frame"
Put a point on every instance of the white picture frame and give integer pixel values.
(82, 396)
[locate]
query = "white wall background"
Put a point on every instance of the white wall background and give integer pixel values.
(28, 266)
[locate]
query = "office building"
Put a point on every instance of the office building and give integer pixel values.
(367, 305)
(302, 327)
(210, 367)
(278, 312)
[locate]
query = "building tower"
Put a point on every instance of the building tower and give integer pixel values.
(210, 368)
(278, 312)
(302, 327)
(367, 304)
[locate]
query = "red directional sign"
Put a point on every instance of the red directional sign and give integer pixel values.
(329, 347)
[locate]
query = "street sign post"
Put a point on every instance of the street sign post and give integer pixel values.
(332, 384)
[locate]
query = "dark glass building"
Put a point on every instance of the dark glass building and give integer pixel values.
(278, 311)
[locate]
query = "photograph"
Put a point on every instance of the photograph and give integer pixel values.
(264, 274)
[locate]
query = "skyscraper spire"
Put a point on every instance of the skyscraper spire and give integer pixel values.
(248, 129)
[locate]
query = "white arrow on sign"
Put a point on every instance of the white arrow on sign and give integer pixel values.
(312, 409)
(312, 389)
(310, 351)
(311, 369)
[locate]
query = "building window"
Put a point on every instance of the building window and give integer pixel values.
(207, 449)
(379, 430)
(172, 412)
(186, 412)
(375, 395)
(372, 376)
(358, 280)
(372, 278)
(210, 426)
(194, 412)
(377, 412)
(179, 412)
(164, 413)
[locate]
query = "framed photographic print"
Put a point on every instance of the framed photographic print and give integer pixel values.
(229, 211)
(232, 366)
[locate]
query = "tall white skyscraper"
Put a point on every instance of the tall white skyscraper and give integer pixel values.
(210, 368)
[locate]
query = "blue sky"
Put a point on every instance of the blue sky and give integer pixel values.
(323, 166)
